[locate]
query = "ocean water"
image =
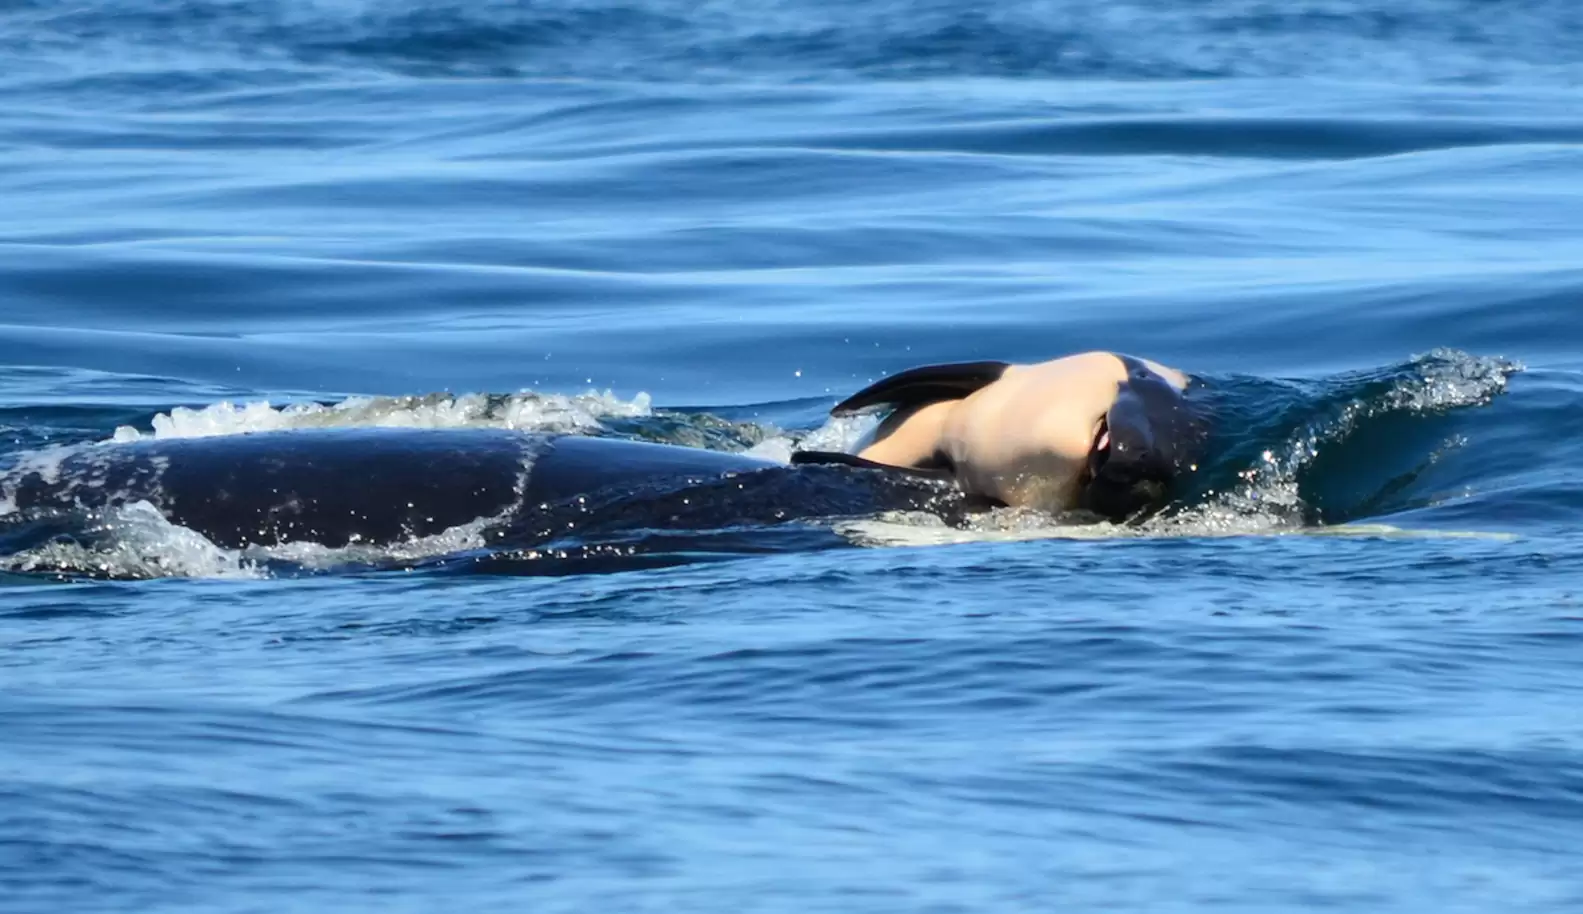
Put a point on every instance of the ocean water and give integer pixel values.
(1345, 674)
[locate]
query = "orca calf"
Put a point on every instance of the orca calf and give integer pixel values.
(1102, 432)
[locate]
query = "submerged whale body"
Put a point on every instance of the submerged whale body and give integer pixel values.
(336, 487)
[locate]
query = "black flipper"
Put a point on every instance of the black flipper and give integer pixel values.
(942, 474)
(852, 460)
(925, 384)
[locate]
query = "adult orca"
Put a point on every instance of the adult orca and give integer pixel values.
(377, 485)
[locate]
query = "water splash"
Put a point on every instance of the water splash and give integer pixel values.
(456, 541)
(836, 434)
(45, 463)
(1270, 494)
(523, 412)
(134, 541)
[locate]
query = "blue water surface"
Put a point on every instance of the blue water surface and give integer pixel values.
(1346, 675)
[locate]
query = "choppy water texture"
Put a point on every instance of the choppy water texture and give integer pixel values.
(1345, 674)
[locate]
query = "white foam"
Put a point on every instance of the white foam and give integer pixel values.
(450, 541)
(463, 538)
(138, 542)
(44, 462)
(920, 529)
(837, 434)
(523, 411)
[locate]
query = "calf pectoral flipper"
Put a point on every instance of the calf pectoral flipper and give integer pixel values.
(922, 385)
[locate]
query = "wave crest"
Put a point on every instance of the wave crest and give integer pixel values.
(1285, 487)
